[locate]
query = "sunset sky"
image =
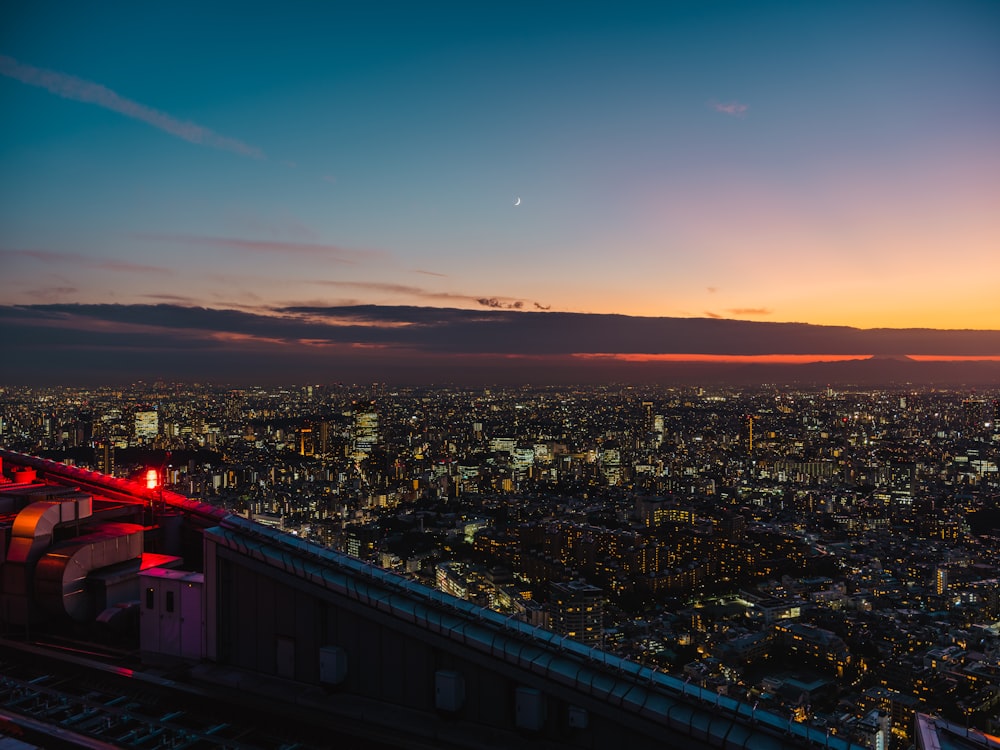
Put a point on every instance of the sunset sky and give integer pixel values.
(832, 163)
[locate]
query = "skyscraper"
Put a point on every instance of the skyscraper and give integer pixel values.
(941, 581)
(307, 445)
(578, 611)
(364, 432)
(611, 465)
(104, 454)
(147, 425)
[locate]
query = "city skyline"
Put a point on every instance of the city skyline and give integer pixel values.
(825, 558)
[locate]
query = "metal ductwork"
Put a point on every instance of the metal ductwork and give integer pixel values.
(61, 574)
(31, 535)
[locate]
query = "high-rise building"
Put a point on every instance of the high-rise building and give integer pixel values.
(105, 457)
(974, 415)
(611, 465)
(147, 425)
(307, 445)
(365, 432)
(578, 611)
(647, 415)
(324, 438)
(941, 581)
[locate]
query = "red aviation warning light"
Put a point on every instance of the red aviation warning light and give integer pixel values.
(152, 479)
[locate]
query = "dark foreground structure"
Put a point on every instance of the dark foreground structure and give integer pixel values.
(135, 617)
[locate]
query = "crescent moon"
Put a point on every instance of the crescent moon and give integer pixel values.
(517, 201)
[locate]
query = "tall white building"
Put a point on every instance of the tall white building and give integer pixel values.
(364, 432)
(147, 425)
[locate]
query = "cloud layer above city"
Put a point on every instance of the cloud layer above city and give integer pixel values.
(407, 344)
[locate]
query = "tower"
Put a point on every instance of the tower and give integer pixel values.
(324, 438)
(941, 581)
(105, 457)
(647, 409)
(364, 432)
(578, 611)
(973, 415)
(307, 446)
(147, 425)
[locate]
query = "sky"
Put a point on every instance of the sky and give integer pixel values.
(832, 163)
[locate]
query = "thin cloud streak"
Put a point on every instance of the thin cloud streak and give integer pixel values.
(333, 252)
(749, 311)
(174, 298)
(104, 264)
(53, 292)
(78, 89)
(733, 109)
(378, 286)
(496, 303)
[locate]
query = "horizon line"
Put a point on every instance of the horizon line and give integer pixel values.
(788, 359)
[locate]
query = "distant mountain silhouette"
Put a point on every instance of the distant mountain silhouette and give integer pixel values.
(895, 357)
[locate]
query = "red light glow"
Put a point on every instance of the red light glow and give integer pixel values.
(152, 479)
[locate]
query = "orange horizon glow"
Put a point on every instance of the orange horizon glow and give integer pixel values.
(784, 359)
(950, 358)
(241, 338)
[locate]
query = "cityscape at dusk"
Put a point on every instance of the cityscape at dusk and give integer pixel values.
(500, 375)
(828, 556)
